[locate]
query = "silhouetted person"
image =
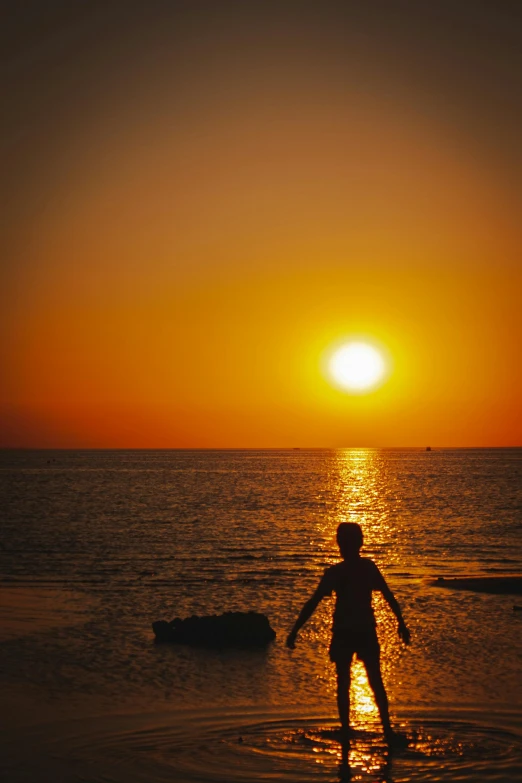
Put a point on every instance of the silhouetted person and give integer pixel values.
(354, 627)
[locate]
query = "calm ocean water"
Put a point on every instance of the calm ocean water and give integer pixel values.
(98, 544)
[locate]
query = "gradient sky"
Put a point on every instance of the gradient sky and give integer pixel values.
(200, 198)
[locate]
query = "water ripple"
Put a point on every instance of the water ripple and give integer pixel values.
(248, 746)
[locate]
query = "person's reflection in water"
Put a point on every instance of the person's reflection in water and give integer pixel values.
(354, 627)
(382, 775)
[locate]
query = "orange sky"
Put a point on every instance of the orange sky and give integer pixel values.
(215, 215)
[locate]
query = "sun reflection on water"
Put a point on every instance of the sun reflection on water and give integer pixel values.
(358, 480)
(363, 707)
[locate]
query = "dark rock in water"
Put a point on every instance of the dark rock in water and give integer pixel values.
(508, 584)
(231, 629)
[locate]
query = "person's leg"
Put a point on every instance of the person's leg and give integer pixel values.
(372, 664)
(343, 693)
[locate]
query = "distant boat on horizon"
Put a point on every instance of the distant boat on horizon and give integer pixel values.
(428, 448)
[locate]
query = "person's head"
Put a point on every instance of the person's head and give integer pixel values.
(349, 538)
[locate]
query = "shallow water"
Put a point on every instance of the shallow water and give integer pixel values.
(96, 545)
(250, 745)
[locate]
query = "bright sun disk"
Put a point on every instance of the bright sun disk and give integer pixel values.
(357, 366)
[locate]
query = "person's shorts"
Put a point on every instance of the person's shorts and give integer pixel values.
(361, 641)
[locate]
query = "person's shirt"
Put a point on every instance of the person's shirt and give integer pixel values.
(353, 582)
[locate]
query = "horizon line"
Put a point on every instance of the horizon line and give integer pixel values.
(251, 448)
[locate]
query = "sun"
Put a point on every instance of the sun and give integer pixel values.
(356, 367)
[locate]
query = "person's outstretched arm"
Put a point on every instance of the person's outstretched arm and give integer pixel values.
(394, 606)
(305, 614)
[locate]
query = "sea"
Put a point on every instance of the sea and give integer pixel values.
(96, 545)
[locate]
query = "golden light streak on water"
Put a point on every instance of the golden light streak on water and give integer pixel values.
(356, 483)
(362, 704)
